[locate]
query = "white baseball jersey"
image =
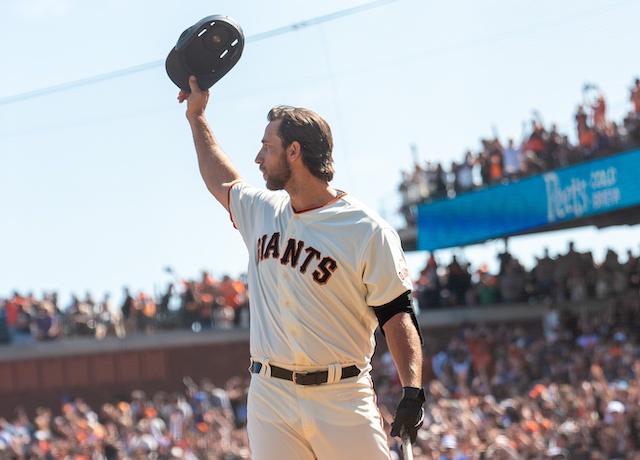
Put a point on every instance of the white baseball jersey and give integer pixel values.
(314, 275)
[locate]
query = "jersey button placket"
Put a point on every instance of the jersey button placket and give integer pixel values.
(290, 322)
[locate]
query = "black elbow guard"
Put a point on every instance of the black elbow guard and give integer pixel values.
(401, 304)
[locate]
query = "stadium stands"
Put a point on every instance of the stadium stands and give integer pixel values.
(539, 364)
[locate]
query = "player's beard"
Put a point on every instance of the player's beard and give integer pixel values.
(279, 175)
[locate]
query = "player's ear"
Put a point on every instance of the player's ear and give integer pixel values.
(294, 151)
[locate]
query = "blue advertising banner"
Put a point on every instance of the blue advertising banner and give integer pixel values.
(582, 190)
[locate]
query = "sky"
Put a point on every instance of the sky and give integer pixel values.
(99, 186)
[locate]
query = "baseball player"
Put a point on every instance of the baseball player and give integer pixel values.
(324, 272)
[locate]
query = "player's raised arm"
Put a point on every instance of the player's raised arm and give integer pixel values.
(216, 167)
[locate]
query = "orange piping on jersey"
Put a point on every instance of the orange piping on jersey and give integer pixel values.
(229, 201)
(339, 196)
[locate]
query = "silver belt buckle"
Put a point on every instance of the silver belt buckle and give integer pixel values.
(294, 376)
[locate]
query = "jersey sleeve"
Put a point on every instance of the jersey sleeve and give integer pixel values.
(249, 205)
(385, 274)
(238, 194)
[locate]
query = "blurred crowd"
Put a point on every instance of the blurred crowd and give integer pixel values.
(568, 388)
(196, 304)
(541, 149)
(210, 303)
(203, 422)
(569, 277)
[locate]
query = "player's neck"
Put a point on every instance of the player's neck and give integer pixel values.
(310, 195)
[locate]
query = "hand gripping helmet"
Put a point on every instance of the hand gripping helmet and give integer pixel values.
(208, 50)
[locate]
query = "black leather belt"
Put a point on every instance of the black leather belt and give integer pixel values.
(305, 378)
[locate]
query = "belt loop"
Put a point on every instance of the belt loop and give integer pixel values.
(334, 373)
(266, 367)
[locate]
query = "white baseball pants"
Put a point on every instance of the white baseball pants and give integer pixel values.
(333, 421)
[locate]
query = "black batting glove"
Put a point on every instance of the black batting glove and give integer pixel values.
(409, 415)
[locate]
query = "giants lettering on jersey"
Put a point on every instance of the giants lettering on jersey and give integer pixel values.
(297, 256)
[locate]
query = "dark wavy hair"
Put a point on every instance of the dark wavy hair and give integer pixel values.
(312, 132)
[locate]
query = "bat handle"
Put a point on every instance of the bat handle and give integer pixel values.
(407, 449)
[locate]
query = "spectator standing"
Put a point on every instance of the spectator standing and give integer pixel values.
(23, 334)
(207, 300)
(4, 329)
(480, 343)
(487, 162)
(632, 269)
(103, 318)
(635, 98)
(504, 258)
(586, 136)
(414, 189)
(537, 138)
(512, 160)
(189, 306)
(575, 285)
(428, 285)
(484, 166)
(458, 282)
(486, 287)
(581, 118)
(437, 180)
(12, 306)
(165, 301)
(145, 310)
(90, 304)
(47, 322)
(496, 166)
(543, 277)
(512, 282)
(419, 184)
(464, 174)
(408, 193)
(554, 156)
(128, 310)
(232, 291)
(228, 292)
(599, 113)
